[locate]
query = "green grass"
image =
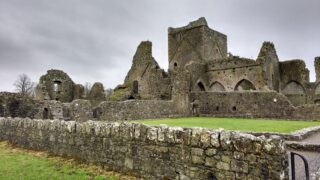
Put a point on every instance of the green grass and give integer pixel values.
(254, 125)
(21, 164)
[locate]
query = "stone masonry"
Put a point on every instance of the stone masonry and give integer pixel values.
(154, 152)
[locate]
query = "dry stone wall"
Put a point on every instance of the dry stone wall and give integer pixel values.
(157, 152)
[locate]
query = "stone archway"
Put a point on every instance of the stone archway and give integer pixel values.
(295, 92)
(244, 85)
(216, 87)
(200, 86)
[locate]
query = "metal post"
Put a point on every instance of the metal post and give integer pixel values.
(306, 166)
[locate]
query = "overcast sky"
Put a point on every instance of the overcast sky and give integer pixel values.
(95, 40)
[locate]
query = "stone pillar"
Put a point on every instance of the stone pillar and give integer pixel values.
(317, 68)
(180, 94)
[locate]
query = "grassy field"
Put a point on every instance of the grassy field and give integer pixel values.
(255, 125)
(17, 163)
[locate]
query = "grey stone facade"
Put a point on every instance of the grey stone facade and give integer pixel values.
(157, 152)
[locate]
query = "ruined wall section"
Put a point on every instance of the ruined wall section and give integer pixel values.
(154, 152)
(55, 85)
(96, 94)
(145, 80)
(243, 104)
(235, 74)
(307, 111)
(79, 110)
(294, 77)
(16, 105)
(134, 110)
(195, 42)
(317, 68)
(78, 91)
(269, 61)
(49, 110)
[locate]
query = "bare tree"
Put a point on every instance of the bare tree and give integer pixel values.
(87, 88)
(24, 85)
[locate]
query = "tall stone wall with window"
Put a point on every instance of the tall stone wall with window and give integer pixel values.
(154, 152)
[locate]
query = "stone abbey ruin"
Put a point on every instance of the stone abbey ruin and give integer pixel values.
(203, 79)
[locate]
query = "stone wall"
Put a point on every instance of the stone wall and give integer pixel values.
(145, 79)
(307, 111)
(317, 68)
(16, 105)
(294, 77)
(134, 109)
(242, 104)
(231, 76)
(154, 152)
(269, 61)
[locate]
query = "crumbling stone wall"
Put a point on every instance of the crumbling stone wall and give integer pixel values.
(49, 110)
(293, 70)
(294, 77)
(145, 80)
(269, 61)
(16, 105)
(55, 85)
(157, 152)
(307, 111)
(78, 91)
(317, 68)
(235, 74)
(134, 109)
(78, 110)
(242, 104)
(96, 94)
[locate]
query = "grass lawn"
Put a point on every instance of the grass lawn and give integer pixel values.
(241, 124)
(17, 163)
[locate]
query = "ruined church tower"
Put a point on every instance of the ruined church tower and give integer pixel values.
(195, 42)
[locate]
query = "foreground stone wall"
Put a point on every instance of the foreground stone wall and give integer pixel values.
(154, 152)
(134, 109)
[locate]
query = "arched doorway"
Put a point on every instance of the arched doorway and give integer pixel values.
(45, 113)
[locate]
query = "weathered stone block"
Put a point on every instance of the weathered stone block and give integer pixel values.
(239, 166)
(211, 152)
(223, 166)
(197, 159)
(197, 151)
